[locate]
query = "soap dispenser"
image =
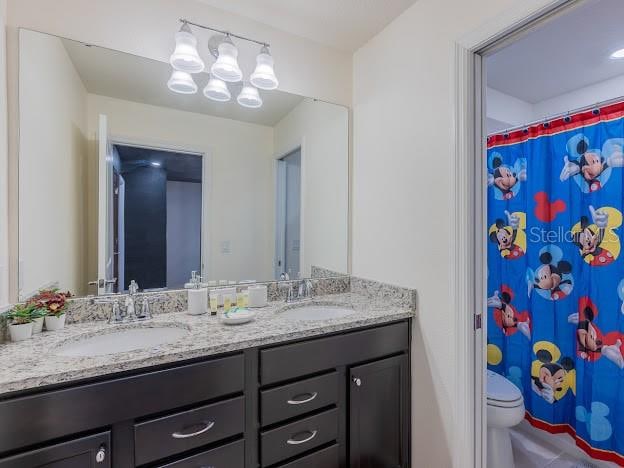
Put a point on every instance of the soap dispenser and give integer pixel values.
(197, 296)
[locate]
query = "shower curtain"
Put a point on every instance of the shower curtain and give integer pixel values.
(556, 274)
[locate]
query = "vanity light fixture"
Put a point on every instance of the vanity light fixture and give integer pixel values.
(226, 67)
(186, 60)
(263, 76)
(249, 97)
(185, 56)
(217, 90)
(182, 82)
(618, 54)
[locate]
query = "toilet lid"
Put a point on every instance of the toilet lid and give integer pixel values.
(500, 390)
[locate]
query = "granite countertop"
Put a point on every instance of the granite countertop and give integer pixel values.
(33, 363)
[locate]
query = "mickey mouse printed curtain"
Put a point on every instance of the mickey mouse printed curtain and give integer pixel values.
(556, 276)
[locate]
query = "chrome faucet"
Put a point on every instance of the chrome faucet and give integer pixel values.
(130, 302)
(132, 311)
(303, 290)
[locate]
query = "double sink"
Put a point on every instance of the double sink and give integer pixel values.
(132, 338)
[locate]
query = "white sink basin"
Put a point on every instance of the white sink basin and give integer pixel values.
(128, 339)
(316, 312)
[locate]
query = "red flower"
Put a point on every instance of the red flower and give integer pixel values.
(50, 300)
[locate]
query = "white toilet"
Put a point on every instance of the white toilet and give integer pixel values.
(505, 409)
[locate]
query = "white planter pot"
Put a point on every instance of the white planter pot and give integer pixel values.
(38, 325)
(53, 322)
(21, 332)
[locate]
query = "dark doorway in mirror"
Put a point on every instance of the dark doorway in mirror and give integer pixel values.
(158, 210)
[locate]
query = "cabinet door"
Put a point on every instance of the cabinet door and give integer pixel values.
(379, 414)
(86, 452)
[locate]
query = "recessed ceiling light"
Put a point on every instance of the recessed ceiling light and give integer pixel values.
(155, 164)
(618, 54)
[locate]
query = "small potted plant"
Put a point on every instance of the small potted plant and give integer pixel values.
(37, 316)
(53, 304)
(20, 322)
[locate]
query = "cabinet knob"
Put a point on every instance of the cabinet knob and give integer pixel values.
(100, 455)
(357, 381)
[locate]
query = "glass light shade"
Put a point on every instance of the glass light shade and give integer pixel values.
(181, 82)
(185, 56)
(249, 97)
(618, 54)
(263, 76)
(217, 90)
(226, 66)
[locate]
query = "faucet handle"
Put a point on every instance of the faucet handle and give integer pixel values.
(133, 288)
(145, 309)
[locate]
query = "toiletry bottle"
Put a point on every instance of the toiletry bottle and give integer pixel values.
(240, 299)
(214, 302)
(246, 298)
(227, 302)
(197, 296)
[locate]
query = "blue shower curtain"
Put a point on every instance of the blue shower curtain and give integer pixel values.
(556, 274)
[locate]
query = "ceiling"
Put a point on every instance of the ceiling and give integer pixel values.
(342, 24)
(179, 166)
(567, 53)
(125, 76)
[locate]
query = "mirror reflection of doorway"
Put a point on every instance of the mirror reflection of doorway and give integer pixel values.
(157, 215)
(288, 219)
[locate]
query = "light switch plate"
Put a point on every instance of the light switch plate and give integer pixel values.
(225, 247)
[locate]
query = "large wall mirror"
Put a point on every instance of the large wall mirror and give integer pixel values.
(122, 179)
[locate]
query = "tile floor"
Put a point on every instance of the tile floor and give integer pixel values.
(534, 449)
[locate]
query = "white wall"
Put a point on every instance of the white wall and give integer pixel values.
(184, 209)
(53, 147)
(403, 95)
(321, 129)
(587, 96)
(240, 184)
(4, 167)
(505, 111)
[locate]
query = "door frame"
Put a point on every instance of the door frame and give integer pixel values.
(278, 157)
(206, 184)
(468, 259)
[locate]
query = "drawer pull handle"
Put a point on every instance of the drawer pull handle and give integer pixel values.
(301, 402)
(181, 435)
(302, 441)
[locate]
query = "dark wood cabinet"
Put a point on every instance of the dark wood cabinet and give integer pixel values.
(86, 452)
(379, 414)
(339, 400)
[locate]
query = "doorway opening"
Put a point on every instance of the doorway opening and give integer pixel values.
(541, 130)
(288, 216)
(156, 218)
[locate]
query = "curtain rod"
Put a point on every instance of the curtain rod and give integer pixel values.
(561, 114)
(221, 31)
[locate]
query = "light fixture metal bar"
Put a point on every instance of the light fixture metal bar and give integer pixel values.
(227, 33)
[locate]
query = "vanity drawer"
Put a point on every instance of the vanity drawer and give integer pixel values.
(58, 413)
(298, 437)
(307, 357)
(176, 433)
(325, 458)
(287, 401)
(227, 456)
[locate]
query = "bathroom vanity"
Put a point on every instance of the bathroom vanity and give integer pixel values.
(338, 397)
(174, 184)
